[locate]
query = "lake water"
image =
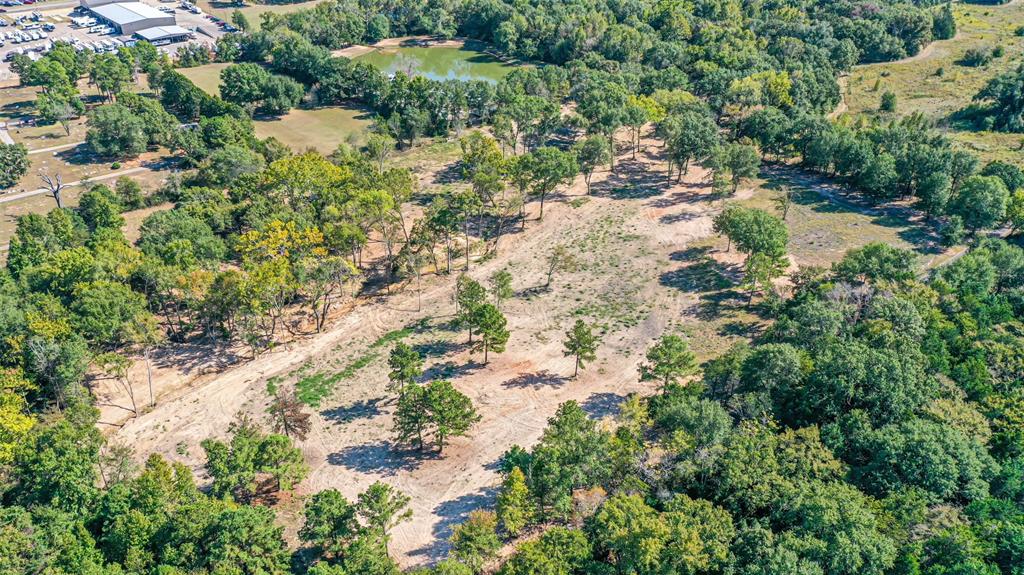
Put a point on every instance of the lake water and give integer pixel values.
(439, 63)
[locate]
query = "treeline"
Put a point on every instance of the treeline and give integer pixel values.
(902, 159)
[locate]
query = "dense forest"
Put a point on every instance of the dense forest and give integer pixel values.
(875, 428)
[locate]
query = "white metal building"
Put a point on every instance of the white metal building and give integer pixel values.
(130, 17)
(164, 34)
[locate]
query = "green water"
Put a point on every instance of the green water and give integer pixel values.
(439, 63)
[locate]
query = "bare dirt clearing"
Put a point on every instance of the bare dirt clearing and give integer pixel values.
(641, 274)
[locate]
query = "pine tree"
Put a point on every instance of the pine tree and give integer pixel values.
(411, 418)
(490, 324)
(501, 287)
(475, 542)
(514, 507)
(450, 413)
(469, 295)
(669, 360)
(581, 342)
(406, 365)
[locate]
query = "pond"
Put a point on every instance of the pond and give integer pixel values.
(439, 62)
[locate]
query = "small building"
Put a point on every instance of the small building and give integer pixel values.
(164, 34)
(130, 17)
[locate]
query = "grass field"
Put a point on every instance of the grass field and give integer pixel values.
(937, 85)
(252, 10)
(321, 129)
(206, 77)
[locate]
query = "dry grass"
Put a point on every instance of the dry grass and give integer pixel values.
(321, 129)
(919, 86)
(206, 77)
(252, 10)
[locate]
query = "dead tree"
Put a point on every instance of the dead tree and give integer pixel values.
(56, 185)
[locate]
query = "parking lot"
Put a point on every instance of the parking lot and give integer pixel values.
(34, 31)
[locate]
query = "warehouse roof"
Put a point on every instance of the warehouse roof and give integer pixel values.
(128, 12)
(160, 32)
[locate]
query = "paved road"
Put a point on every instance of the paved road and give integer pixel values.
(41, 191)
(55, 148)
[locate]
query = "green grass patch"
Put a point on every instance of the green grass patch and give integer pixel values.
(321, 129)
(314, 388)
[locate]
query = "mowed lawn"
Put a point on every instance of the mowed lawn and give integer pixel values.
(938, 85)
(321, 129)
(206, 77)
(252, 10)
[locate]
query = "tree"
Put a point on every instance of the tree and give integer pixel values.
(412, 422)
(129, 193)
(55, 185)
(100, 209)
(740, 161)
(632, 532)
(981, 202)
(286, 412)
(13, 164)
(669, 360)
(943, 23)
(515, 509)
(105, 310)
(783, 201)
(114, 131)
(60, 108)
(475, 541)
(760, 270)
(240, 21)
(581, 343)
(469, 295)
(382, 507)
(1000, 95)
(560, 260)
(490, 324)
(110, 74)
(690, 136)
(330, 522)
(934, 192)
(379, 147)
(876, 262)
(450, 413)
(756, 231)
(501, 287)
(888, 103)
(591, 152)
(406, 365)
(549, 168)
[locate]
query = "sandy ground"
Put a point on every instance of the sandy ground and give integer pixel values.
(628, 233)
(422, 41)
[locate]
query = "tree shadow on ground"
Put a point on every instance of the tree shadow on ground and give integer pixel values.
(536, 380)
(631, 180)
(600, 405)
(449, 174)
(363, 409)
(381, 457)
(823, 195)
(703, 275)
(450, 370)
(438, 348)
(451, 513)
(199, 357)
